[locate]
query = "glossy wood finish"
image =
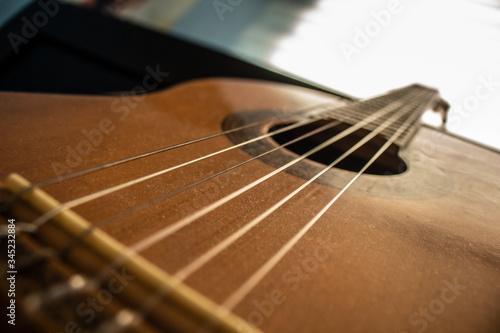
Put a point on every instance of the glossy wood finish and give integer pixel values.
(414, 252)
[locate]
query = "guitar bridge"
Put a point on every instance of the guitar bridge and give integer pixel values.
(94, 278)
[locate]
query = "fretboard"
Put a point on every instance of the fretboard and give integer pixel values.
(416, 99)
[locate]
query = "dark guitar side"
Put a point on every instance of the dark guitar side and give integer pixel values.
(416, 252)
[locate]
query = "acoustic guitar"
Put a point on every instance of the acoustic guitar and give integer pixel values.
(225, 205)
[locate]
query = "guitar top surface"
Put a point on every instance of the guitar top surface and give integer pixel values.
(414, 252)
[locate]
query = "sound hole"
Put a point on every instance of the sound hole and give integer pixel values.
(388, 163)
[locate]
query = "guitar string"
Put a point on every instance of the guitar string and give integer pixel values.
(185, 272)
(161, 234)
(307, 111)
(124, 257)
(310, 111)
(95, 195)
(210, 254)
(5, 203)
(84, 199)
(77, 239)
(94, 281)
(236, 297)
(170, 229)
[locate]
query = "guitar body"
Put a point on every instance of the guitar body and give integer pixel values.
(414, 252)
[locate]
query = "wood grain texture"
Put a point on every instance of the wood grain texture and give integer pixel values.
(417, 252)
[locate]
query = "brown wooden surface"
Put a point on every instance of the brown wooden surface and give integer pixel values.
(385, 252)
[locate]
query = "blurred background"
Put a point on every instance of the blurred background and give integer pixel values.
(358, 47)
